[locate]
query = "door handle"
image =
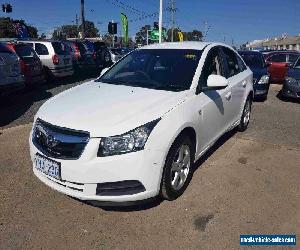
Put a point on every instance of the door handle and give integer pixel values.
(244, 83)
(228, 96)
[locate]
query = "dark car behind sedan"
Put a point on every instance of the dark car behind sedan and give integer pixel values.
(291, 85)
(256, 63)
(31, 65)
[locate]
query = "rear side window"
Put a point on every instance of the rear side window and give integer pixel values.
(58, 48)
(5, 49)
(41, 49)
(231, 62)
(278, 58)
(241, 64)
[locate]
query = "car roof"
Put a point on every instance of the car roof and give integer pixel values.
(178, 45)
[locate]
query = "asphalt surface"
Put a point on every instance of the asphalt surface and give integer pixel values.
(248, 183)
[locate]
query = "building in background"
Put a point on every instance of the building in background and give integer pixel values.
(278, 43)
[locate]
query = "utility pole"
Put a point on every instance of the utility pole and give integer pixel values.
(172, 10)
(82, 18)
(160, 20)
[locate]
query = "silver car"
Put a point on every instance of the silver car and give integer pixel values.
(11, 78)
(56, 61)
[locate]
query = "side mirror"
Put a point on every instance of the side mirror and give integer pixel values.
(216, 82)
(268, 64)
(289, 65)
(103, 71)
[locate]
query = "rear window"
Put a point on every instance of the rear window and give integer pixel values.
(58, 48)
(24, 51)
(253, 60)
(5, 49)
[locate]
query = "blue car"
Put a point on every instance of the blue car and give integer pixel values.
(291, 85)
(255, 61)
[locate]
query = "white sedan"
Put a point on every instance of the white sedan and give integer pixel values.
(136, 131)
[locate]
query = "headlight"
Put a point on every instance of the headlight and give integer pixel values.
(291, 81)
(264, 80)
(134, 140)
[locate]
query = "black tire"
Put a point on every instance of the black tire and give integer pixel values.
(49, 75)
(167, 191)
(245, 122)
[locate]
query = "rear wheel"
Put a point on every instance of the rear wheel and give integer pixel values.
(245, 119)
(178, 168)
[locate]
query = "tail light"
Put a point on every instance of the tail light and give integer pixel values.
(94, 56)
(55, 59)
(77, 51)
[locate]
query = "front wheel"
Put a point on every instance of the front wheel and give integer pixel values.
(245, 116)
(178, 168)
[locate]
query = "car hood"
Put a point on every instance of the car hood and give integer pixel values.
(106, 109)
(259, 72)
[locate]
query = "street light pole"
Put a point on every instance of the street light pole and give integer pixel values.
(160, 20)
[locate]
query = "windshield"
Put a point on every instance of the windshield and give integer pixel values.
(167, 69)
(253, 60)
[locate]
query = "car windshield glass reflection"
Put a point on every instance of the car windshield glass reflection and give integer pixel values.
(166, 69)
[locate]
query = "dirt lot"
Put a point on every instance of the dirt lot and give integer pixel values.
(247, 184)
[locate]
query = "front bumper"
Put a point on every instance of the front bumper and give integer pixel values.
(80, 178)
(261, 89)
(291, 91)
(62, 72)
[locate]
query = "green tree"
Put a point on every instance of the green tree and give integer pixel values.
(65, 31)
(141, 35)
(90, 29)
(7, 29)
(195, 35)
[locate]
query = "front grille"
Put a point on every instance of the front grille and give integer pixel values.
(58, 142)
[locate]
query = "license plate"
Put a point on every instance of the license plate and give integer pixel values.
(47, 166)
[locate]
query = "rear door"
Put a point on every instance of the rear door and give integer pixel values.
(277, 68)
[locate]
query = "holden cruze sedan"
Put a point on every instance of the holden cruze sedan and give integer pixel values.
(136, 131)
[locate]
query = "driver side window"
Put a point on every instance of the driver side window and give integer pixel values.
(212, 66)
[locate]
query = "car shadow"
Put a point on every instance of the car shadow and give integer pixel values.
(124, 206)
(219, 143)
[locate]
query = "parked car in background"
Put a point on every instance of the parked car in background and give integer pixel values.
(256, 63)
(55, 59)
(291, 85)
(278, 63)
(136, 132)
(103, 57)
(11, 78)
(82, 53)
(118, 53)
(31, 65)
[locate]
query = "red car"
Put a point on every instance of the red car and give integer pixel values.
(278, 63)
(31, 65)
